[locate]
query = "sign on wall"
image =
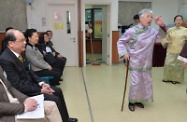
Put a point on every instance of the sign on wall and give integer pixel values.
(58, 24)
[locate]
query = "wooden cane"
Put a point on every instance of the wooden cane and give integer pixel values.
(91, 45)
(127, 70)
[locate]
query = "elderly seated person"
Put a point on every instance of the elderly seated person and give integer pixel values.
(14, 102)
(47, 50)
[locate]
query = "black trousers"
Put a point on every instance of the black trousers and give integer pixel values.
(56, 73)
(63, 60)
(59, 63)
(58, 98)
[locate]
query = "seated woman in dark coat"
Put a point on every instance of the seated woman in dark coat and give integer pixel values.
(46, 50)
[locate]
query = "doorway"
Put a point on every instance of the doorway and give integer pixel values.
(97, 18)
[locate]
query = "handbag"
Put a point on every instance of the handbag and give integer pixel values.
(49, 58)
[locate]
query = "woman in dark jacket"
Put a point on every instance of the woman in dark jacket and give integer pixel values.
(46, 50)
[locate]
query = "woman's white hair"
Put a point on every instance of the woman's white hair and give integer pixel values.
(145, 11)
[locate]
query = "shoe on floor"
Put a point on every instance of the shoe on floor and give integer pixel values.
(175, 82)
(72, 120)
(131, 107)
(139, 105)
(166, 81)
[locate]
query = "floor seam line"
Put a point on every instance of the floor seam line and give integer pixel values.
(87, 97)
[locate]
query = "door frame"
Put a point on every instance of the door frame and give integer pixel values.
(109, 43)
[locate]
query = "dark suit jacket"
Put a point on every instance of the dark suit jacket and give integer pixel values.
(9, 110)
(50, 44)
(19, 74)
(42, 47)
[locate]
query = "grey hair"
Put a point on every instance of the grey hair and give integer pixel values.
(144, 11)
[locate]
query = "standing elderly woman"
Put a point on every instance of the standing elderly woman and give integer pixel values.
(174, 41)
(136, 45)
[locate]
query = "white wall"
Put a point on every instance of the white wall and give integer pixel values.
(168, 9)
(36, 13)
(183, 9)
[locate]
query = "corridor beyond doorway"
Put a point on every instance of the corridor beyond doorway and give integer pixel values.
(97, 43)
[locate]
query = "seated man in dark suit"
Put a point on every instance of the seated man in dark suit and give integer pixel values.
(57, 54)
(14, 102)
(24, 79)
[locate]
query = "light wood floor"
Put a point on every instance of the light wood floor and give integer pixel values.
(94, 94)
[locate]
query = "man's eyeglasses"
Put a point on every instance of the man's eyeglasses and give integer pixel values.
(21, 40)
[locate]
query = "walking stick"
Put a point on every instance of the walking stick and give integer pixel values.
(91, 45)
(127, 70)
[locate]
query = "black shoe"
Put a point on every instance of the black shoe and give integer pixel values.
(72, 120)
(131, 107)
(57, 83)
(140, 105)
(60, 79)
(166, 81)
(175, 82)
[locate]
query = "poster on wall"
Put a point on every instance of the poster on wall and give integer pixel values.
(58, 24)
